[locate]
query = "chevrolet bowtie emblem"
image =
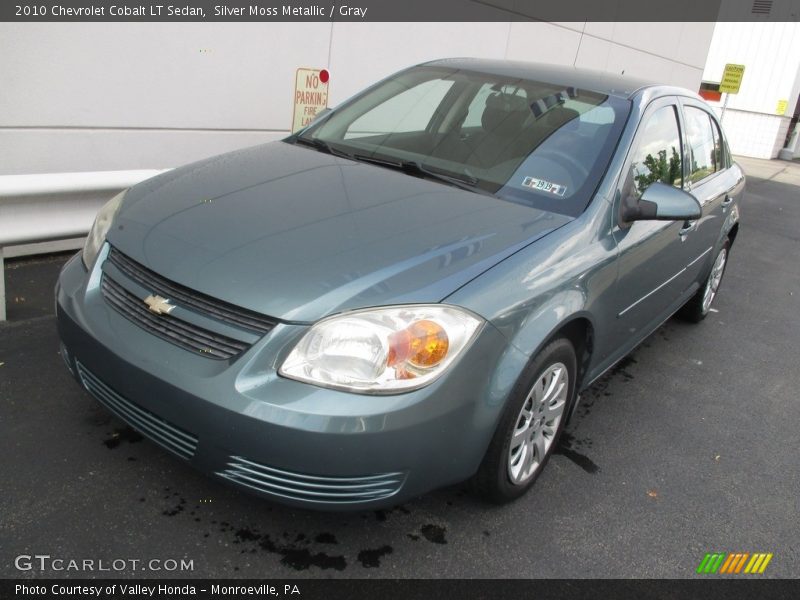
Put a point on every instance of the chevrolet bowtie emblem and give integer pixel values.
(159, 305)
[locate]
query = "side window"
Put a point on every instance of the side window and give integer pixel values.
(657, 156)
(410, 110)
(702, 148)
(720, 159)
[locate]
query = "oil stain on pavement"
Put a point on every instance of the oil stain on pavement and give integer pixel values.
(302, 551)
(571, 447)
(122, 434)
(372, 558)
(567, 446)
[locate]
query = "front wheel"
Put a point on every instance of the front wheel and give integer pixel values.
(531, 424)
(697, 309)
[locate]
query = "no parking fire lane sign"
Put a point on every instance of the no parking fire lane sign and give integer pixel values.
(310, 96)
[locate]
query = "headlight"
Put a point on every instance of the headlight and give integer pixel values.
(97, 234)
(382, 350)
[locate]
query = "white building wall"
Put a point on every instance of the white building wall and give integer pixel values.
(112, 96)
(771, 55)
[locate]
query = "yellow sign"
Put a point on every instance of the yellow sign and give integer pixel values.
(731, 79)
(782, 106)
(310, 96)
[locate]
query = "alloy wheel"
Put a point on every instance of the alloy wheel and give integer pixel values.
(537, 423)
(714, 279)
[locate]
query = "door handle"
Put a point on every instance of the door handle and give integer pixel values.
(727, 202)
(687, 228)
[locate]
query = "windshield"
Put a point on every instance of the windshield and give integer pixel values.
(530, 142)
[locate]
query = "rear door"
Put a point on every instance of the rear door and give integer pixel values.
(708, 179)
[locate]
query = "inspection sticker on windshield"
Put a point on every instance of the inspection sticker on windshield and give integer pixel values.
(545, 186)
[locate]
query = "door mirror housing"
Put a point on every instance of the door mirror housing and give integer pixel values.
(661, 202)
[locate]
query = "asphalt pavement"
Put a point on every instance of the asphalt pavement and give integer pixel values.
(688, 446)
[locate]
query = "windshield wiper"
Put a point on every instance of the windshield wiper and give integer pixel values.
(465, 181)
(322, 146)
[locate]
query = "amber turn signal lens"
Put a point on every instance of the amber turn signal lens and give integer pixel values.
(429, 344)
(423, 344)
(381, 351)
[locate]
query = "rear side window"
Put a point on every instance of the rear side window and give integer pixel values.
(703, 148)
(657, 156)
(720, 157)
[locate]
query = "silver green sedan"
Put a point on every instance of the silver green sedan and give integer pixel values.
(410, 292)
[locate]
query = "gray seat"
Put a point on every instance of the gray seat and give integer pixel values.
(503, 123)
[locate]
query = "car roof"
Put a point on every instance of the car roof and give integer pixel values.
(597, 81)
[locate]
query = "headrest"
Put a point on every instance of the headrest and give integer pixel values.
(504, 111)
(556, 118)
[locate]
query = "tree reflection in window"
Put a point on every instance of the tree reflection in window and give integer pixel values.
(660, 169)
(658, 152)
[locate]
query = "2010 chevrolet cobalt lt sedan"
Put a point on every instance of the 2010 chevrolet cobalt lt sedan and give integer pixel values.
(411, 291)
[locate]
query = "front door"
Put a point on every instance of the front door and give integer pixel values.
(653, 255)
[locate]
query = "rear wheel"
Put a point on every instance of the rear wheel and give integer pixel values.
(697, 309)
(531, 424)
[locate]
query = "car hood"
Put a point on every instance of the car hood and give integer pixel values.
(297, 234)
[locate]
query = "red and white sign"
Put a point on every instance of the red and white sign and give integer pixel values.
(310, 96)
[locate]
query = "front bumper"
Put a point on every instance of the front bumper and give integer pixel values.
(290, 441)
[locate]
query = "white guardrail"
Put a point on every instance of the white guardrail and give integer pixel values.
(53, 207)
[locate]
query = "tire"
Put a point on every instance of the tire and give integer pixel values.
(697, 309)
(525, 437)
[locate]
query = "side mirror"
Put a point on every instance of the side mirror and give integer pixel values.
(661, 202)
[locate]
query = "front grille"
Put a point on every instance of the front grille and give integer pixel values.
(179, 332)
(154, 427)
(311, 488)
(179, 294)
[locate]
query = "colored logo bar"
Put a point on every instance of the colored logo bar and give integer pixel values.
(734, 563)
